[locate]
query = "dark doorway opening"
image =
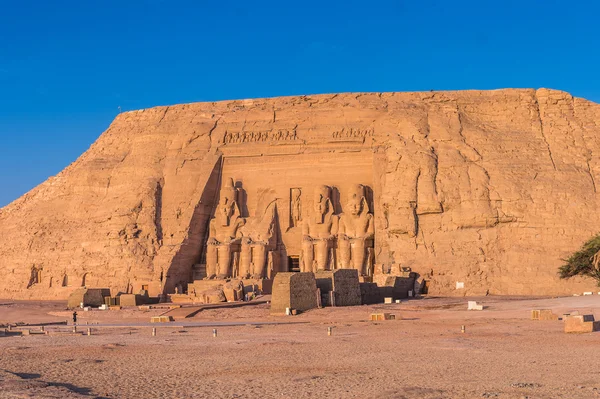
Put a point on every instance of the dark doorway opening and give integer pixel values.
(293, 263)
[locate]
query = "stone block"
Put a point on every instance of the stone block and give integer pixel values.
(397, 287)
(370, 293)
(257, 286)
(111, 301)
(295, 291)
(199, 286)
(581, 324)
(382, 316)
(339, 287)
(129, 300)
(161, 319)
(87, 296)
(473, 305)
(543, 314)
(181, 298)
(233, 291)
(213, 296)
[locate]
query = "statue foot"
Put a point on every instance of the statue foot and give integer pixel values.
(221, 276)
(211, 277)
(256, 276)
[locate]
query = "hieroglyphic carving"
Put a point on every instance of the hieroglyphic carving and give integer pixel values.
(353, 133)
(295, 207)
(253, 137)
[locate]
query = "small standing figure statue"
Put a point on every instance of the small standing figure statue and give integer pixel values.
(296, 207)
(356, 231)
(224, 233)
(318, 232)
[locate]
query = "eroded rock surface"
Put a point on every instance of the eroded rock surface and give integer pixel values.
(489, 188)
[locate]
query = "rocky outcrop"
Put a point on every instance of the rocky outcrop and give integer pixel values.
(488, 188)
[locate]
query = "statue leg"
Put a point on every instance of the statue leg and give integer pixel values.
(307, 256)
(245, 259)
(358, 255)
(211, 261)
(259, 260)
(224, 261)
(322, 254)
(344, 253)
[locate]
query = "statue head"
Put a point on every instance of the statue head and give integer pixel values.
(322, 203)
(227, 202)
(356, 198)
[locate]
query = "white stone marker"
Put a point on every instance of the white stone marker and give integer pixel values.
(472, 305)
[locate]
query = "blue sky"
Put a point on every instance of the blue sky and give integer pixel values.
(66, 66)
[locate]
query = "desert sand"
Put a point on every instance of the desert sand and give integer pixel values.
(501, 354)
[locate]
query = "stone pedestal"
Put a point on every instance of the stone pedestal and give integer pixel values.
(339, 287)
(396, 287)
(87, 296)
(369, 293)
(234, 289)
(295, 291)
(581, 324)
(386, 286)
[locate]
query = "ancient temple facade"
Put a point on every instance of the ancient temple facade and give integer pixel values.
(284, 204)
(475, 192)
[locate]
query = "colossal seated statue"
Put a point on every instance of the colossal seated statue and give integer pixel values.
(356, 232)
(258, 238)
(318, 232)
(224, 233)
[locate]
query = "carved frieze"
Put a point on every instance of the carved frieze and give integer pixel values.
(353, 133)
(261, 136)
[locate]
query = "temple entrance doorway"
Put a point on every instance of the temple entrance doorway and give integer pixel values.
(294, 263)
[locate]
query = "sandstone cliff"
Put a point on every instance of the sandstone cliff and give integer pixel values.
(489, 188)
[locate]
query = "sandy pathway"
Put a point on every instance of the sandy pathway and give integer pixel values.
(501, 355)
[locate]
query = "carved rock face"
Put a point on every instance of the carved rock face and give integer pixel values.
(489, 188)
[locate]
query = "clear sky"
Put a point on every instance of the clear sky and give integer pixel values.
(66, 66)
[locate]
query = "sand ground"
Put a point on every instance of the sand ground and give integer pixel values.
(502, 354)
